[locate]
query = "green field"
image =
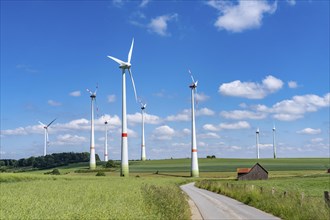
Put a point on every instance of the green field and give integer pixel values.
(145, 194)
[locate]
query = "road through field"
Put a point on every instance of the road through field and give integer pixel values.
(215, 206)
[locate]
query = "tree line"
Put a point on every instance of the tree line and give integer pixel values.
(48, 161)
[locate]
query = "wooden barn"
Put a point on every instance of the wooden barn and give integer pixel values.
(257, 172)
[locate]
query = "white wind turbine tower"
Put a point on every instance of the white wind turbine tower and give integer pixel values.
(106, 142)
(143, 147)
(92, 161)
(46, 135)
(274, 142)
(257, 142)
(194, 157)
(124, 146)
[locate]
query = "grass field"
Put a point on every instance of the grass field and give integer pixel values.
(145, 194)
(33, 196)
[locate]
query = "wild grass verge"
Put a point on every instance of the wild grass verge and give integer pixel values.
(284, 204)
(168, 202)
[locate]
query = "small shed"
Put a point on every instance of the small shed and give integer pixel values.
(257, 172)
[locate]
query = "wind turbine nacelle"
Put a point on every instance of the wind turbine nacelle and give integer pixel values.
(193, 86)
(125, 66)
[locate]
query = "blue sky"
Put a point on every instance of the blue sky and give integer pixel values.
(258, 63)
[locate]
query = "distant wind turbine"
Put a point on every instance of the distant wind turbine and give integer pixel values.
(92, 161)
(274, 142)
(194, 157)
(143, 147)
(124, 146)
(106, 142)
(257, 142)
(46, 143)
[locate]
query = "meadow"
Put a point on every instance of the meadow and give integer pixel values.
(299, 197)
(151, 191)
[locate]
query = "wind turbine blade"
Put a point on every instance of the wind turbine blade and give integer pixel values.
(192, 78)
(120, 62)
(42, 123)
(51, 123)
(130, 52)
(89, 91)
(97, 87)
(131, 75)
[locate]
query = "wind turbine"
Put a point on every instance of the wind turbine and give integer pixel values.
(124, 148)
(257, 142)
(194, 158)
(274, 142)
(46, 135)
(92, 161)
(106, 142)
(143, 147)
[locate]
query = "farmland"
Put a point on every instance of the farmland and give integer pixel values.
(151, 188)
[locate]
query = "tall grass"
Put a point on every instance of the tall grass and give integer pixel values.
(167, 202)
(286, 204)
(86, 197)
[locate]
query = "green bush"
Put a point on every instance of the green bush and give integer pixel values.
(111, 164)
(100, 173)
(53, 172)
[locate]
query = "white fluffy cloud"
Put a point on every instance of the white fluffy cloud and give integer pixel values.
(148, 119)
(236, 125)
(159, 24)
(75, 93)
(204, 112)
(243, 114)
(144, 3)
(292, 84)
(286, 110)
(68, 139)
(295, 108)
(242, 16)
(309, 131)
(291, 2)
(227, 126)
(210, 127)
(53, 103)
(163, 133)
(209, 135)
(251, 90)
(201, 97)
(185, 115)
(16, 131)
(111, 98)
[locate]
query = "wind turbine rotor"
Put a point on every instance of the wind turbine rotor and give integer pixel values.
(50, 123)
(89, 91)
(130, 53)
(192, 78)
(43, 125)
(120, 62)
(131, 75)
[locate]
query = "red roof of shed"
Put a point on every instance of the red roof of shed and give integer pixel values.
(243, 170)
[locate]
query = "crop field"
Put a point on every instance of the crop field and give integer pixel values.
(89, 197)
(151, 191)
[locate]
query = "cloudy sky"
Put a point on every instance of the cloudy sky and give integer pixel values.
(258, 64)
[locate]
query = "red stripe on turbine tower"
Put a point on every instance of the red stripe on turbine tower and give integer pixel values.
(194, 150)
(124, 134)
